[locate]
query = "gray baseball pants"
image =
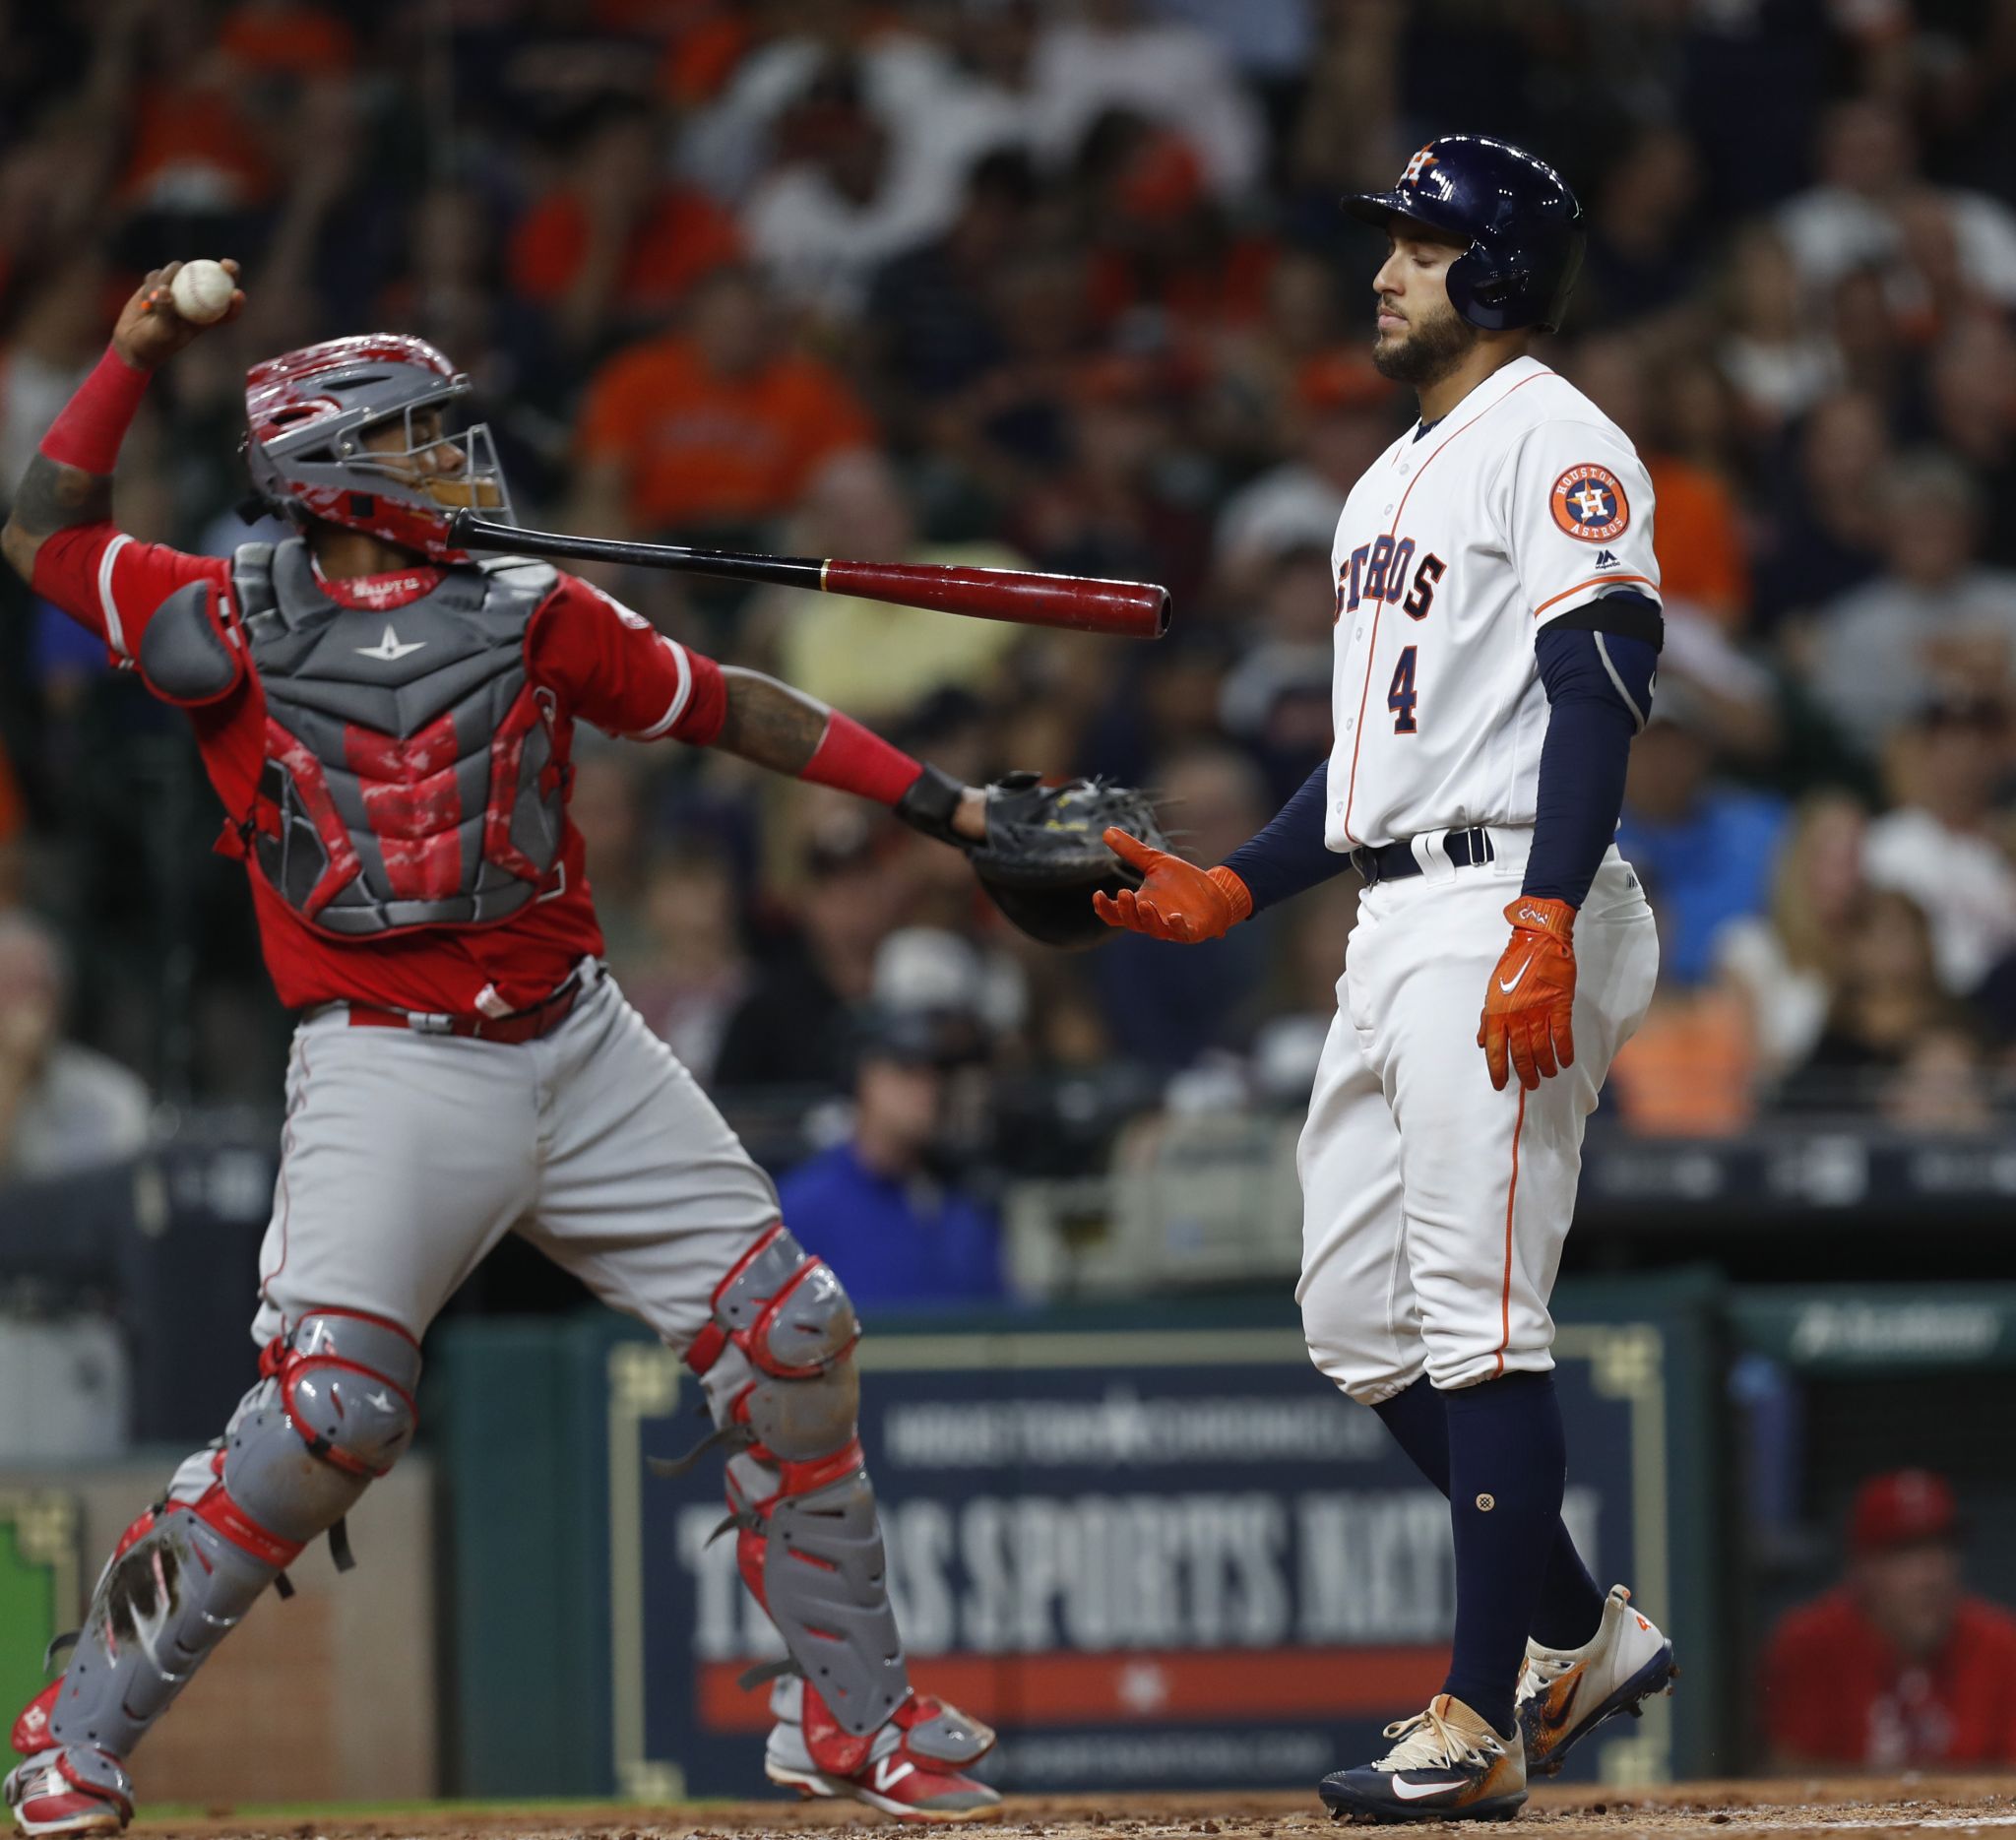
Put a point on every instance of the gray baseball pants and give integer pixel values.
(406, 1157)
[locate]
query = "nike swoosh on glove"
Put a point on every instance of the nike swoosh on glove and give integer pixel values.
(1530, 1003)
(1176, 899)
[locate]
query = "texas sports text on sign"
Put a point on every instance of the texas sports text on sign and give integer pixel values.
(1206, 1570)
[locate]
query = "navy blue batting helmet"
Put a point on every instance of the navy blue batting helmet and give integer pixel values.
(1523, 224)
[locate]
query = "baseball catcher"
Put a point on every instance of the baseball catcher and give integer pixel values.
(387, 725)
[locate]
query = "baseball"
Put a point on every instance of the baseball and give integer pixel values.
(202, 292)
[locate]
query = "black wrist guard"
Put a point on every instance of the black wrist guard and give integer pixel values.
(929, 803)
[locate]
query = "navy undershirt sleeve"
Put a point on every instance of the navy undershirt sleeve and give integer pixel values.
(1290, 855)
(1599, 686)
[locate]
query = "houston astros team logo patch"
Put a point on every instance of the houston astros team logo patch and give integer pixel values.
(1589, 502)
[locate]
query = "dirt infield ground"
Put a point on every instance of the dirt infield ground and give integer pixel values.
(1710, 1810)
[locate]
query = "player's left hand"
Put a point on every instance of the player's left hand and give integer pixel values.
(1530, 1003)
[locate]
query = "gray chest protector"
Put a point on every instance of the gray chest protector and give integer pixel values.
(413, 777)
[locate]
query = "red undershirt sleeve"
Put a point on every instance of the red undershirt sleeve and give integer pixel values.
(613, 668)
(111, 583)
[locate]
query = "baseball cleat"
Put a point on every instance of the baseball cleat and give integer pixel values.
(1566, 1693)
(1449, 1765)
(910, 1767)
(69, 1789)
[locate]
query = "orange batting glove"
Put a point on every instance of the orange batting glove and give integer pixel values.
(1176, 899)
(1530, 1005)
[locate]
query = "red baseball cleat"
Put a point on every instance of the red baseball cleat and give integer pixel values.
(70, 1790)
(909, 1767)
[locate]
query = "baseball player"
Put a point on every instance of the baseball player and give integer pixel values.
(388, 723)
(1497, 629)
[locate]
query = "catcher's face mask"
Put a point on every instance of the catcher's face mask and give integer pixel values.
(413, 452)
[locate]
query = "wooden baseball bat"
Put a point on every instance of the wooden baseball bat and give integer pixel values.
(1081, 602)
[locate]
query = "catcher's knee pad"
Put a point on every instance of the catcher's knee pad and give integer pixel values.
(777, 1363)
(342, 1384)
(188, 1569)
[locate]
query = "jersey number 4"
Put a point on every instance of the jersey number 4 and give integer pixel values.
(1401, 695)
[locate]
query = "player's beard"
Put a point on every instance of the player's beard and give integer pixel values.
(1431, 350)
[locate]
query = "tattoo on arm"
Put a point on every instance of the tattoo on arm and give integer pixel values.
(769, 723)
(52, 498)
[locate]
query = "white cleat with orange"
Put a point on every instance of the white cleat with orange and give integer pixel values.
(1566, 1693)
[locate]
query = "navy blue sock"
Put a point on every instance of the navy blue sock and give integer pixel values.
(1570, 1607)
(1508, 1463)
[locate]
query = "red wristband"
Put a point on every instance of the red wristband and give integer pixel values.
(857, 760)
(88, 433)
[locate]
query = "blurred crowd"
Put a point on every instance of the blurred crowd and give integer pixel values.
(1062, 284)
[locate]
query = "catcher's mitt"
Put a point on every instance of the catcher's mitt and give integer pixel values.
(1044, 861)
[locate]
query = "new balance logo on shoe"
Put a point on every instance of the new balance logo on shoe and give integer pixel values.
(888, 1771)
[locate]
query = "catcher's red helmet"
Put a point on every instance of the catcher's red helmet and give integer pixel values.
(306, 412)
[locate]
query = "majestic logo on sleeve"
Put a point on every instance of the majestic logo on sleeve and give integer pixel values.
(1588, 502)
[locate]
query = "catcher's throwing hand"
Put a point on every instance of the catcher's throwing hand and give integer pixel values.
(149, 331)
(1176, 899)
(1530, 1004)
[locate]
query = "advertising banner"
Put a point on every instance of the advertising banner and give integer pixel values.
(39, 1596)
(1151, 1558)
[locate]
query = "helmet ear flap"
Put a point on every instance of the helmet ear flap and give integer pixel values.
(1470, 284)
(1492, 297)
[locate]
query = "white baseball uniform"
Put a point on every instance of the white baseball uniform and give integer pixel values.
(1434, 1206)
